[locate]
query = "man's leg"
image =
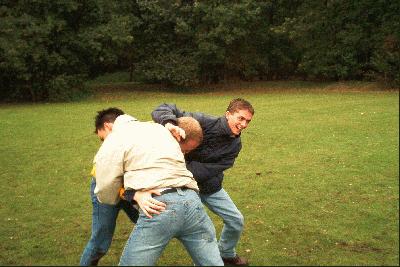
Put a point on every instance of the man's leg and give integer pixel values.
(149, 238)
(103, 226)
(221, 204)
(198, 234)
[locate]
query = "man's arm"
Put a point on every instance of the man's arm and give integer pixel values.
(109, 173)
(168, 113)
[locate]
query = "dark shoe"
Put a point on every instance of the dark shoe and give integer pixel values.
(235, 261)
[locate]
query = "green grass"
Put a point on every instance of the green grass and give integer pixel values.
(317, 179)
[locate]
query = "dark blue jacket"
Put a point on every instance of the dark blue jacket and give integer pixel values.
(217, 152)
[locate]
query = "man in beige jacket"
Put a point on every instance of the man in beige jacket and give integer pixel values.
(143, 156)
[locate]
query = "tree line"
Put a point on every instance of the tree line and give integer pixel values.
(49, 48)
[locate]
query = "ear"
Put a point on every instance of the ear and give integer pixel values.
(227, 113)
(108, 126)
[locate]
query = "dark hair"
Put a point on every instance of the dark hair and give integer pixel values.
(106, 115)
(240, 104)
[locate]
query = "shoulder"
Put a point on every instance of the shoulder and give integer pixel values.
(205, 120)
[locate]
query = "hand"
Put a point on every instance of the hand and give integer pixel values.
(177, 132)
(148, 204)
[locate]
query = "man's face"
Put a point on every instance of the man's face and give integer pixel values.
(238, 120)
(188, 146)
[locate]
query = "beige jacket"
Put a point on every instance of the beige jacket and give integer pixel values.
(139, 155)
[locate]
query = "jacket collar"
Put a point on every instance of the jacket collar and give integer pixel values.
(122, 120)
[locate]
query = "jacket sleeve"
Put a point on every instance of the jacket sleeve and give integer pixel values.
(167, 113)
(204, 171)
(109, 173)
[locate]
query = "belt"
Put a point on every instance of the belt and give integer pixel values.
(172, 190)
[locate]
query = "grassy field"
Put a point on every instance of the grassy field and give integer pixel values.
(317, 179)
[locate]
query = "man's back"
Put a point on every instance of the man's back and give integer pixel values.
(154, 158)
(145, 154)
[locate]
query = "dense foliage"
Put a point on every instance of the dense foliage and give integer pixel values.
(48, 48)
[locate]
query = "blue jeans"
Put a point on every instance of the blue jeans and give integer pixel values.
(185, 219)
(221, 204)
(104, 218)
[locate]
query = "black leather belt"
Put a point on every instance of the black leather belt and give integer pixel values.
(172, 190)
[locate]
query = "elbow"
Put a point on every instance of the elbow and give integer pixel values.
(106, 196)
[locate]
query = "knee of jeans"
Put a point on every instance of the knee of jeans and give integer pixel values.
(102, 248)
(100, 243)
(237, 222)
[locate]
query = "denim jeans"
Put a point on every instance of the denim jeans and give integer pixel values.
(221, 204)
(185, 219)
(104, 218)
